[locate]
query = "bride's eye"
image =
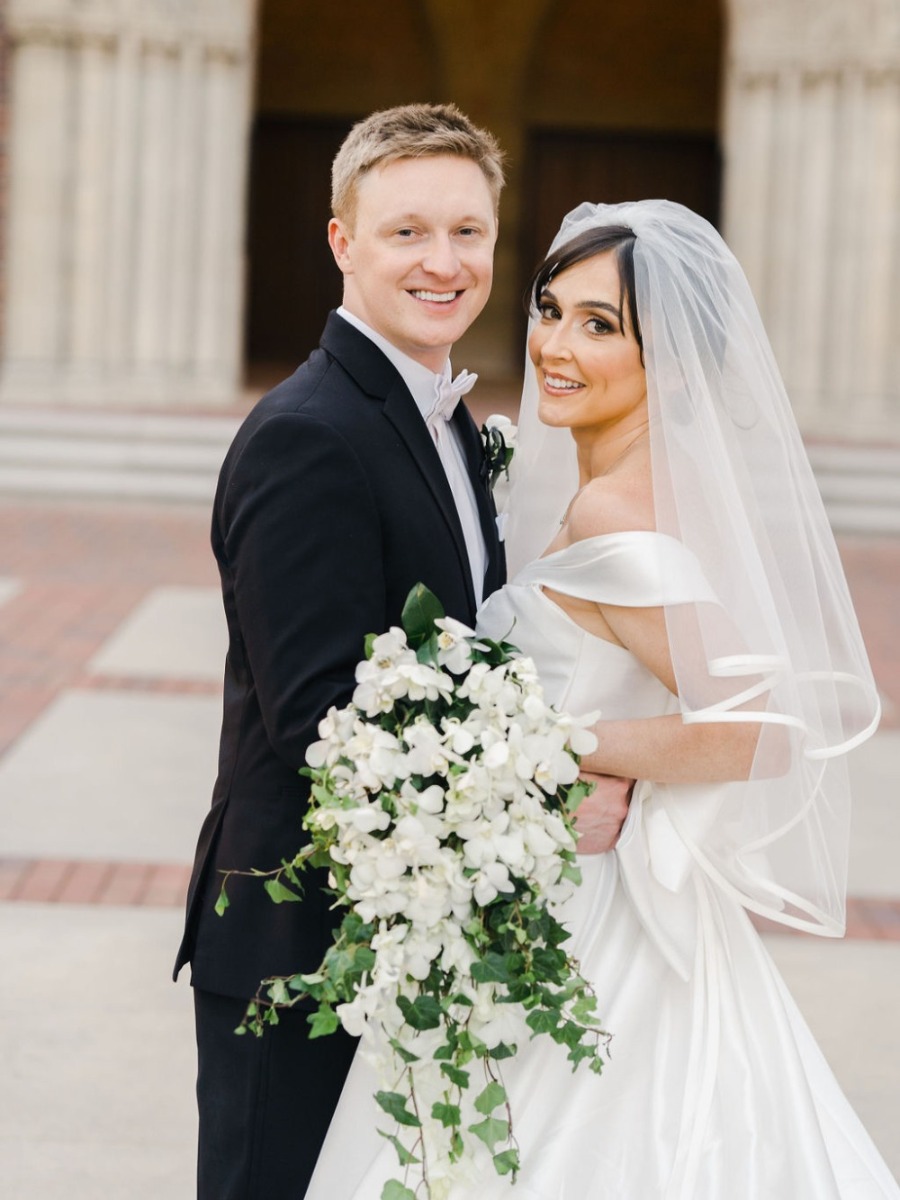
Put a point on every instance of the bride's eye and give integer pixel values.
(598, 325)
(548, 311)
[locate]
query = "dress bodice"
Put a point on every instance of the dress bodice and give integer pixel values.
(581, 672)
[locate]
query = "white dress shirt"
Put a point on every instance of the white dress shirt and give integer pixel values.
(424, 387)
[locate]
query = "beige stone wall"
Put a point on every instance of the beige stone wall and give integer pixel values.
(124, 270)
(812, 202)
(125, 216)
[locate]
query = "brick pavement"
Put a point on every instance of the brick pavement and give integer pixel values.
(83, 568)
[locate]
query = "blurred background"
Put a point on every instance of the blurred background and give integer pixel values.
(164, 196)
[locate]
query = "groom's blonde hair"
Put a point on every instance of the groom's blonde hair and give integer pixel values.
(410, 131)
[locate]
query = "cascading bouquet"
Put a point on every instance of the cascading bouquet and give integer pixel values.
(441, 804)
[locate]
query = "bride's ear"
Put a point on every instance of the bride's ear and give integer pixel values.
(340, 240)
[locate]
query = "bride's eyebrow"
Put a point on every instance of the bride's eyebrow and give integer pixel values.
(548, 298)
(603, 304)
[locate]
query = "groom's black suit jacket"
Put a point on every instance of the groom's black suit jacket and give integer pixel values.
(332, 503)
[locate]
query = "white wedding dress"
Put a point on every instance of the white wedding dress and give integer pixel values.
(715, 1088)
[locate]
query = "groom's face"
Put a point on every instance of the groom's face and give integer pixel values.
(418, 257)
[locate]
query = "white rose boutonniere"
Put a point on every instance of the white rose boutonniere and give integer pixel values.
(499, 436)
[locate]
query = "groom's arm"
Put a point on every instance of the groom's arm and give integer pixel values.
(302, 536)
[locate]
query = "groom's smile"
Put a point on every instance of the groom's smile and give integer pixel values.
(418, 257)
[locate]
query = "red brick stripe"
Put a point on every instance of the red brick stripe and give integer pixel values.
(59, 881)
(164, 885)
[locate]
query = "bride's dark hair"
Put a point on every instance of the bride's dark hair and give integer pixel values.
(619, 238)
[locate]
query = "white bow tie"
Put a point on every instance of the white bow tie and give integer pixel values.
(449, 392)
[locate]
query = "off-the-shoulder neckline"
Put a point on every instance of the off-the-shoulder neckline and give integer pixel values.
(605, 537)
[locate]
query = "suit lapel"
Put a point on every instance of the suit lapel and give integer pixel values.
(375, 375)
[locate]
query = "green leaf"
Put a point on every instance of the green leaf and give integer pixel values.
(405, 1156)
(223, 902)
(322, 1022)
(455, 1075)
(576, 793)
(493, 968)
(300, 983)
(369, 642)
(421, 610)
(542, 1021)
(278, 893)
(506, 1161)
(406, 1055)
(363, 959)
(448, 1114)
(501, 1050)
(278, 992)
(422, 1013)
(492, 1097)
(394, 1104)
(490, 1131)
(394, 1190)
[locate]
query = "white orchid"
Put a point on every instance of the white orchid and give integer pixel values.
(440, 801)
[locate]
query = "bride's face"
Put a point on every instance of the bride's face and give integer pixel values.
(588, 361)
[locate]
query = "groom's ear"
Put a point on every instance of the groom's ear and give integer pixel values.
(339, 240)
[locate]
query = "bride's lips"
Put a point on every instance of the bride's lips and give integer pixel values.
(559, 385)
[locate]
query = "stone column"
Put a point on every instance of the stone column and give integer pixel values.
(812, 200)
(128, 161)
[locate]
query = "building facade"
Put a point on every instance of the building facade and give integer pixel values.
(167, 175)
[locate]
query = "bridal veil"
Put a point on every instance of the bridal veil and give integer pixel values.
(780, 645)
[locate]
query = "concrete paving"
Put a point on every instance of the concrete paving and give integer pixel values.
(97, 1043)
(98, 1056)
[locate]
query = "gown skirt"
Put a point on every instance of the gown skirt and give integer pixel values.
(714, 1088)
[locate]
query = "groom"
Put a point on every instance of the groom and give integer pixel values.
(350, 482)
(342, 489)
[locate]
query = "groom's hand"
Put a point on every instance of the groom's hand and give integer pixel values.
(599, 817)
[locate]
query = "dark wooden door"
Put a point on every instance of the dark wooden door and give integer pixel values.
(292, 279)
(566, 167)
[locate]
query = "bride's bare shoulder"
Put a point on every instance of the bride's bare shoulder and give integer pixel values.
(616, 503)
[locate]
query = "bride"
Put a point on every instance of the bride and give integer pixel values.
(673, 567)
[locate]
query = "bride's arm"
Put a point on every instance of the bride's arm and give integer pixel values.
(664, 748)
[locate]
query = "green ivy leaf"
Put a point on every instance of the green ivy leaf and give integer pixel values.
(492, 1097)
(405, 1156)
(455, 1075)
(394, 1104)
(394, 1190)
(278, 893)
(501, 1050)
(448, 1114)
(493, 968)
(506, 1161)
(422, 1013)
(406, 1055)
(300, 983)
(278, 992)
(323, 1021)
(490, 1131)
(542, 1021)
(223, 902)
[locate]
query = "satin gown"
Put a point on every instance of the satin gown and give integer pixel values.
(715, 1088)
